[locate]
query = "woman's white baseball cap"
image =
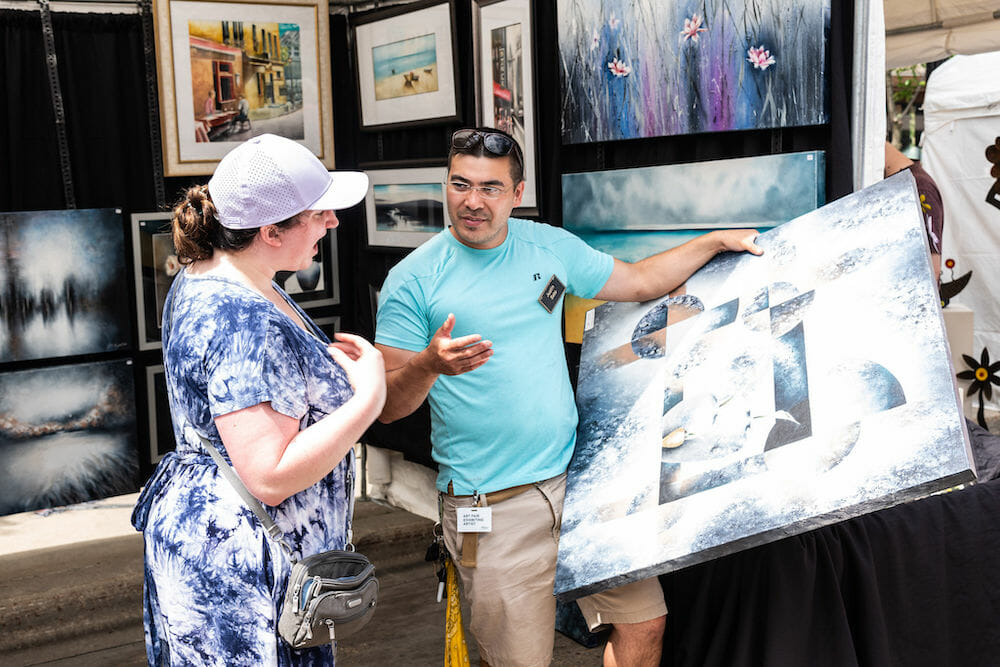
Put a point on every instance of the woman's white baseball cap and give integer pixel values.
(269, 178)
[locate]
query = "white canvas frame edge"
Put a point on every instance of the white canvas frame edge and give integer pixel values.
(166, 75)
(413, 176)
(522, 9)
(442, 105)
(144, 343)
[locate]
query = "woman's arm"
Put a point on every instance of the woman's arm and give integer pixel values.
(275, 460)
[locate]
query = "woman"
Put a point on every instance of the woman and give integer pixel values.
(250, 374)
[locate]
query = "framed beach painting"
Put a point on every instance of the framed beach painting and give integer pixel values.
(505, 76)
(229, 71)
(406, 65)
(405, 207)
(63, 284)
(647, 68)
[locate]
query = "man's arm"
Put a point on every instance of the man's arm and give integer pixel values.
(662, 273)
(410, 375)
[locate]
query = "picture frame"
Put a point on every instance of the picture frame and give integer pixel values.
(405, 207)
(155, 265)
(328, 325)
(505, 81)
(161, 429)
(406, 65)
(210, 52)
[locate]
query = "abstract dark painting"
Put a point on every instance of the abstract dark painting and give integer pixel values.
(62, 284)
(67, 435)
(646, 68)
(767, 396)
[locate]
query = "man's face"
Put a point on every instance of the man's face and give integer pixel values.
(478, 221)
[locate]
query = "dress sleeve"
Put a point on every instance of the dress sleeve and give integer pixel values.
(253, 364)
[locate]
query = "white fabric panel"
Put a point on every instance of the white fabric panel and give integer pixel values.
(930, 45)
(962, 118)
(869, 122)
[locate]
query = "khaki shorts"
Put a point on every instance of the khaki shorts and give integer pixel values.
(513, 610)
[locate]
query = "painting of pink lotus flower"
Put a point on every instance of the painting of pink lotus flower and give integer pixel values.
(646, 68)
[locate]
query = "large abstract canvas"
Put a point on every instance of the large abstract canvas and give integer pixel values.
(67, 435)
(647, 68)
(63, 281)
(767, 396)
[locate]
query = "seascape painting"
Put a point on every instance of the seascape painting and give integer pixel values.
(63, 281)
(642, 68)
(766, 397)
(406, 67)
(405, 207)
(67, 435)
(412, 207)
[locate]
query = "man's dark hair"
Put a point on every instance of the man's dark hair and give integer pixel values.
(478, 149)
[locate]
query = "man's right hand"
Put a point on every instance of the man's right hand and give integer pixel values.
(453, 356)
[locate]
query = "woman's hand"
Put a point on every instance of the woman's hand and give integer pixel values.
(363, 364)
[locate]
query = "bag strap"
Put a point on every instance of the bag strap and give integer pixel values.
(255, 505)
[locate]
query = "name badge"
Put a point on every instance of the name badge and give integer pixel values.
(550, 295)
(475, 519)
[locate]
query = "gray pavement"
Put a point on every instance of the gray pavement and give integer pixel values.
(79, 604)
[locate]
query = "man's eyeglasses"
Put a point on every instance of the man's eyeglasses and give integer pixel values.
(485, 191)
(496, 143)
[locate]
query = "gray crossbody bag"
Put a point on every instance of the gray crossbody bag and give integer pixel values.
(330, 595)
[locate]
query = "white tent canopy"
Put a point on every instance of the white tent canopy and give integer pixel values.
(922, 31)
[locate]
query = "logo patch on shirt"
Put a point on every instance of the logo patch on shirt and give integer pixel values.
(550, 295)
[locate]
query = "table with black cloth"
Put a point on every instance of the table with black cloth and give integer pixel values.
(916, 584)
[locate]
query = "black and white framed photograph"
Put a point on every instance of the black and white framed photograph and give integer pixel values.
(405, 207)
(63, 284)
(406, 65)
(161, 429)
(505, 81)
(156, 264)
(67, 435)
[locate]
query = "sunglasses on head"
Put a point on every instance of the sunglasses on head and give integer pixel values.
(494, 142)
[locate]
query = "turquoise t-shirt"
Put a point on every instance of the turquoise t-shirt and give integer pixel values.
(513, 420)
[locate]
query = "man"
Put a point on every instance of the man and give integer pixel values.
(503, 415)
(930, 200)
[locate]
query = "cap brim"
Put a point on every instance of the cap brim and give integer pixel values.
(346, 189)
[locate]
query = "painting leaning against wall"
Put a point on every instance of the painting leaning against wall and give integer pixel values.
(646, 68)
(77, 444)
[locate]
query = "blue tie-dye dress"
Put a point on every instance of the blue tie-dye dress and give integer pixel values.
(214, 580)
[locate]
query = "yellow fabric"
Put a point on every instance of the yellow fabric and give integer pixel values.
(455, 652)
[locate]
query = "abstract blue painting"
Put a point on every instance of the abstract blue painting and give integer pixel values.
(768, 396)
(647, 68)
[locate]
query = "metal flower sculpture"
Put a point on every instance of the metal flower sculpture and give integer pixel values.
(983, 376)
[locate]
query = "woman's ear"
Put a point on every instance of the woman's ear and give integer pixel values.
(271, 235)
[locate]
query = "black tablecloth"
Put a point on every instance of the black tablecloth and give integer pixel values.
(916, 584)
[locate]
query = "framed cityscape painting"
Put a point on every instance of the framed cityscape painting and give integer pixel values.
(646, 68)
(229, 71)
(767, 396)
(406, 65)
(505, 72)
(67, 435)
(63, 284)
(405, 207)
